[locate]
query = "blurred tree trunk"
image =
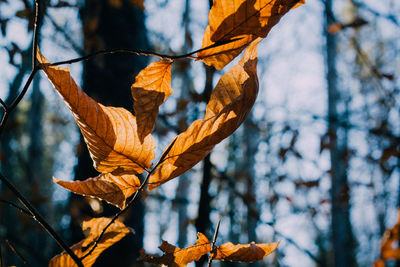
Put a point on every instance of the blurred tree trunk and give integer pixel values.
(251, 141)
(203, 221)
(110, 25)
(342, 236)
(184, 181)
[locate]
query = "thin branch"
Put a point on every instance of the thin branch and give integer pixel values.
(210, 259)
(16, 206)
(4, 105)
(36, 215)
(119, 213)
(32, 210)
(24, 90)
(16, 252)
(17, 100)
(140, 52)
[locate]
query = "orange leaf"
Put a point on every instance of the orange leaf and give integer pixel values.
(110, 133)
(174, 256)
(112, 235)
(150, 90)
(230, 102)
(114, 189)
(243, 20)
(244, 253)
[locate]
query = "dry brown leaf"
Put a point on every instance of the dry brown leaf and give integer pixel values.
(243, 253)
(114, 189)
(110, 133)
(112, 235)
(244, 20)
(230, 102)
(150, 90)
(174, 256)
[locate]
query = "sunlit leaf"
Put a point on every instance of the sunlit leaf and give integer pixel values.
(114, 189)
(150, 90)
(110, 133)
(174, 256)
(243, 20)
(243, 253)
(112, 235)
(230, 102)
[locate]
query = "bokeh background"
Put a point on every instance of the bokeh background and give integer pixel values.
(314, 166)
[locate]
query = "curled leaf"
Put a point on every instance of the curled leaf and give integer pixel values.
(230, 102)
(150, 90)
(243, 253)
(174, 256)
(109, 132)
(114, 189)
(112, 235)
(242, 21)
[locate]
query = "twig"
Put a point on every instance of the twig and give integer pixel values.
(119, 213)
(16, 206)
(210, 259)
(140, 52)
(4, 105)
(16, 252)
(37, 217)
(35, 214)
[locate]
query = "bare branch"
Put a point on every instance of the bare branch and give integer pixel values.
(140, 52)
(36, 215)
(4, 105)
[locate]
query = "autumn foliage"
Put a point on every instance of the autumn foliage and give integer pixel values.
(122, 147)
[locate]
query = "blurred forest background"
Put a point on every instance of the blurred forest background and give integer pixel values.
(315, 166)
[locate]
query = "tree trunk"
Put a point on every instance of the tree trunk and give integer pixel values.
(110, 25)
(342, 236)
(251, 141)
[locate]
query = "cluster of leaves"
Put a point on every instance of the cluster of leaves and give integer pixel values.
(174, 256)
(122, 147)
